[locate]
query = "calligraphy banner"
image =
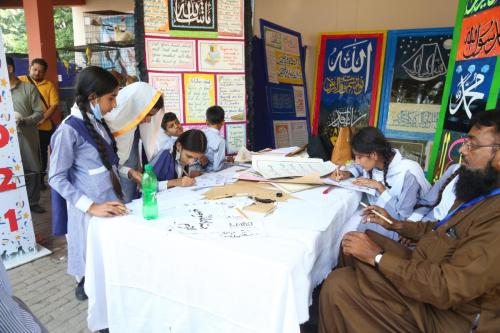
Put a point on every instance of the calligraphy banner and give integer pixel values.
(473, 79)
(285, 87)
(193, 15)
(475, 6)
(480, 36)
(470, 84)
(16, 227)
(348, 76)
(415, 70)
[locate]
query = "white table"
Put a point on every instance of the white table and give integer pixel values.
(141, 277)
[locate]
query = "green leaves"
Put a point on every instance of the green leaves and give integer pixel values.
(13, 25)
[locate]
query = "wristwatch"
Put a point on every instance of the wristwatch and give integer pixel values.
(378, 257)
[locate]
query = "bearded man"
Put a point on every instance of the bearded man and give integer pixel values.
(451, 281)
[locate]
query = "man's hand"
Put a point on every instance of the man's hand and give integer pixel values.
(359, 245)
(370, 217)
(108, 209)
(371, 183)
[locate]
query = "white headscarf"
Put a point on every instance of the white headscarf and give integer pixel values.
(134, 102)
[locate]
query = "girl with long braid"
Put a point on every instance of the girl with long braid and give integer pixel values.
(399, 182)
(83, 167)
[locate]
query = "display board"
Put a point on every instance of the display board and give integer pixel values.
(287, 105)
(412, 88)
(195, 54)
(16, 227)
(473, 79)
(348, 80)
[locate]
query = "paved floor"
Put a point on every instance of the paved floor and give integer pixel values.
(49, 292)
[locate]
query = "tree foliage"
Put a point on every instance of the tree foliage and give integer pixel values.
(13, 25)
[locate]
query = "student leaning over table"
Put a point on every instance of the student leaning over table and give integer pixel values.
(172, 167)
(83, 167)
(399, 182)
(451, 277)
(135, 119)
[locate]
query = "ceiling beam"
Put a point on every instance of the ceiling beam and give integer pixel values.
(61, 3)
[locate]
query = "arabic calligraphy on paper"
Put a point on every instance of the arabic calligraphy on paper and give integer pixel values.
(198, 15)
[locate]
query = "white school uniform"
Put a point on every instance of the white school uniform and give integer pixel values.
(90, 182)
(408, 185)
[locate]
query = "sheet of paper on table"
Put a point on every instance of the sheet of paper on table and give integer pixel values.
(212, 219)
(293, 188)
(244, 155)
(347, 183)
(226, 176)
(280, 167)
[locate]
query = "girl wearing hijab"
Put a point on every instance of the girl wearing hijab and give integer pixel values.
(84, 167)
(135, 124)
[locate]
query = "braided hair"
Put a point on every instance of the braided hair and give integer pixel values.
(440, 194)
(371, 140)
(193, 140)
(98, 81)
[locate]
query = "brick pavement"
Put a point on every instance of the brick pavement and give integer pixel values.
(44, 285)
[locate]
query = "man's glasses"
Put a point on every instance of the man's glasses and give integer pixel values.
(471, 146)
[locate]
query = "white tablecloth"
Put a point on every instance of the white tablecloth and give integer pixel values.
(141, 277)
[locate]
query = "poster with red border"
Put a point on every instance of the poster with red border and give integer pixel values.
(348, 80)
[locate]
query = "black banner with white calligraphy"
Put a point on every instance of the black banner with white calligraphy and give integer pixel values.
(193, 15)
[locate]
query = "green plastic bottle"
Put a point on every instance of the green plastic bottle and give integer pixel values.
(149, 189)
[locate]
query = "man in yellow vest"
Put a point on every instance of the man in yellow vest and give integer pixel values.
(50, 101)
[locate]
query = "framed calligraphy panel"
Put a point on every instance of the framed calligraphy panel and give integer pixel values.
(473, 79)
(193, 15)
(348, 75)
(415, 70)
(285, 87)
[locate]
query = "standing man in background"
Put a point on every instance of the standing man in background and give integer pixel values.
(50, 101)
(28, 111)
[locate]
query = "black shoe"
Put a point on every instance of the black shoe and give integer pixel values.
(106, 330)
(37, 209)
(80, 292)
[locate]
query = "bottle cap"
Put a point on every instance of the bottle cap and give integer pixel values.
(148, 167)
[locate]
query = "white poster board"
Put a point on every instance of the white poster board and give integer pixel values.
(16, 228)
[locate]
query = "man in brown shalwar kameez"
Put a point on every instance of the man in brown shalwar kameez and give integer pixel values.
(451, 277)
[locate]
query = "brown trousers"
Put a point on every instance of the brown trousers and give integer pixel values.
(358, 298)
